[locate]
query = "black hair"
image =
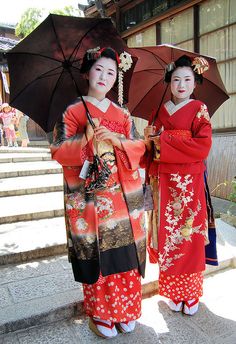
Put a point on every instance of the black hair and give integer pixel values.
(183, 61)
(90, 58)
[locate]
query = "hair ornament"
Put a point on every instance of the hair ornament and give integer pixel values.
(124, 65)
(125, 61)
(93, 54)
(200, 65)
(170, 67)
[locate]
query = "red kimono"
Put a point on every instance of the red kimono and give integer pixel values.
(105, 229)
(179, 220)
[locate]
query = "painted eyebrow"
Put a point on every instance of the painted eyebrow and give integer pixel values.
(113, 70)
(186, 76)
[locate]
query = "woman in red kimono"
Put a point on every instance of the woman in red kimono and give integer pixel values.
(105, 227)
(179, 221)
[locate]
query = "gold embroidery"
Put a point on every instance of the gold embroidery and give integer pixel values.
(181, 196)
(135, 175)
(103, 147)
(203, 112)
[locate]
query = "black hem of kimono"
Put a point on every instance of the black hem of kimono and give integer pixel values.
(85, 271)
(113, 261)
(119, 260)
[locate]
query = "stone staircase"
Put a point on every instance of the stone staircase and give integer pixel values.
(36, 282)
(31, 205)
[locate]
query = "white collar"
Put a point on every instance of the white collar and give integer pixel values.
(172, 108)
(102, 105)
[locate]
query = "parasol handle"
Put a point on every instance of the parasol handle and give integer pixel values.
(86, 108)
(155, 117)
(87, 112)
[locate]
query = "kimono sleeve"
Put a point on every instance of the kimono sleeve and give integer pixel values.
(69, 142)
(176, 149)
(133, 146)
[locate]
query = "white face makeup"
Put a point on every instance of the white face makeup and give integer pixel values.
(102, 77)
(182, 84)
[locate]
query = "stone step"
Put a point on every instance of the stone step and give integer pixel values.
(24, 157)
(36, 292)
(31, 207)
(31, 184)
(39, 143)
(23, 241)
(214, 322)
(24, 150)
(18, 169)
(44, 291)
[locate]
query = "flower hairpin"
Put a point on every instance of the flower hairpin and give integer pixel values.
(94, 53)
(125, 61)
(124, 65)
(200, 65)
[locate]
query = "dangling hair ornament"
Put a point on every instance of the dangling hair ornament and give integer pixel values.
(170, 67)
(200, 65)
(124, 65)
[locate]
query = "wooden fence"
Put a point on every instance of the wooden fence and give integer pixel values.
(222, 164)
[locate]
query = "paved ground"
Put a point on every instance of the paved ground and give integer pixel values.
(215, 322)
(43, 291)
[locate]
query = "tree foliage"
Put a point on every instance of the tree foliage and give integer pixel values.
(32, 17)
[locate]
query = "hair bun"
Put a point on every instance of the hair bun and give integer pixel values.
(200, 65)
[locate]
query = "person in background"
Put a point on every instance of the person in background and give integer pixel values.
(9, 118)
(179, 142)
(21, 124)
(1, 133)
(105, 226)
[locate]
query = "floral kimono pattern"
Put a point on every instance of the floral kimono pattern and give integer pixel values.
(105, 229)
(180, 213)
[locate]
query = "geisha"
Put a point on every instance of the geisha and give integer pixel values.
(105, 225)
(178, 225)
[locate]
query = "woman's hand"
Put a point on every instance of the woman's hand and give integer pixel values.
(156, 140)
(90, 130)
(149, 130)
(103, 134)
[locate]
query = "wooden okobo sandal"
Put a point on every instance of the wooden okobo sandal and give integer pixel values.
(102, 329)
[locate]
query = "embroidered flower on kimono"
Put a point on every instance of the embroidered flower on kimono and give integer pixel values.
(177, 206)
(73, 213)
(189, 222)
(104, 207)
(203, 112)
(186, 231)
(187, 199)
(135, 214)
(91, 238)
(74, 203)
(81, 224)
(111, 224)
(135, 175)
(175, 177)
(182, 184)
